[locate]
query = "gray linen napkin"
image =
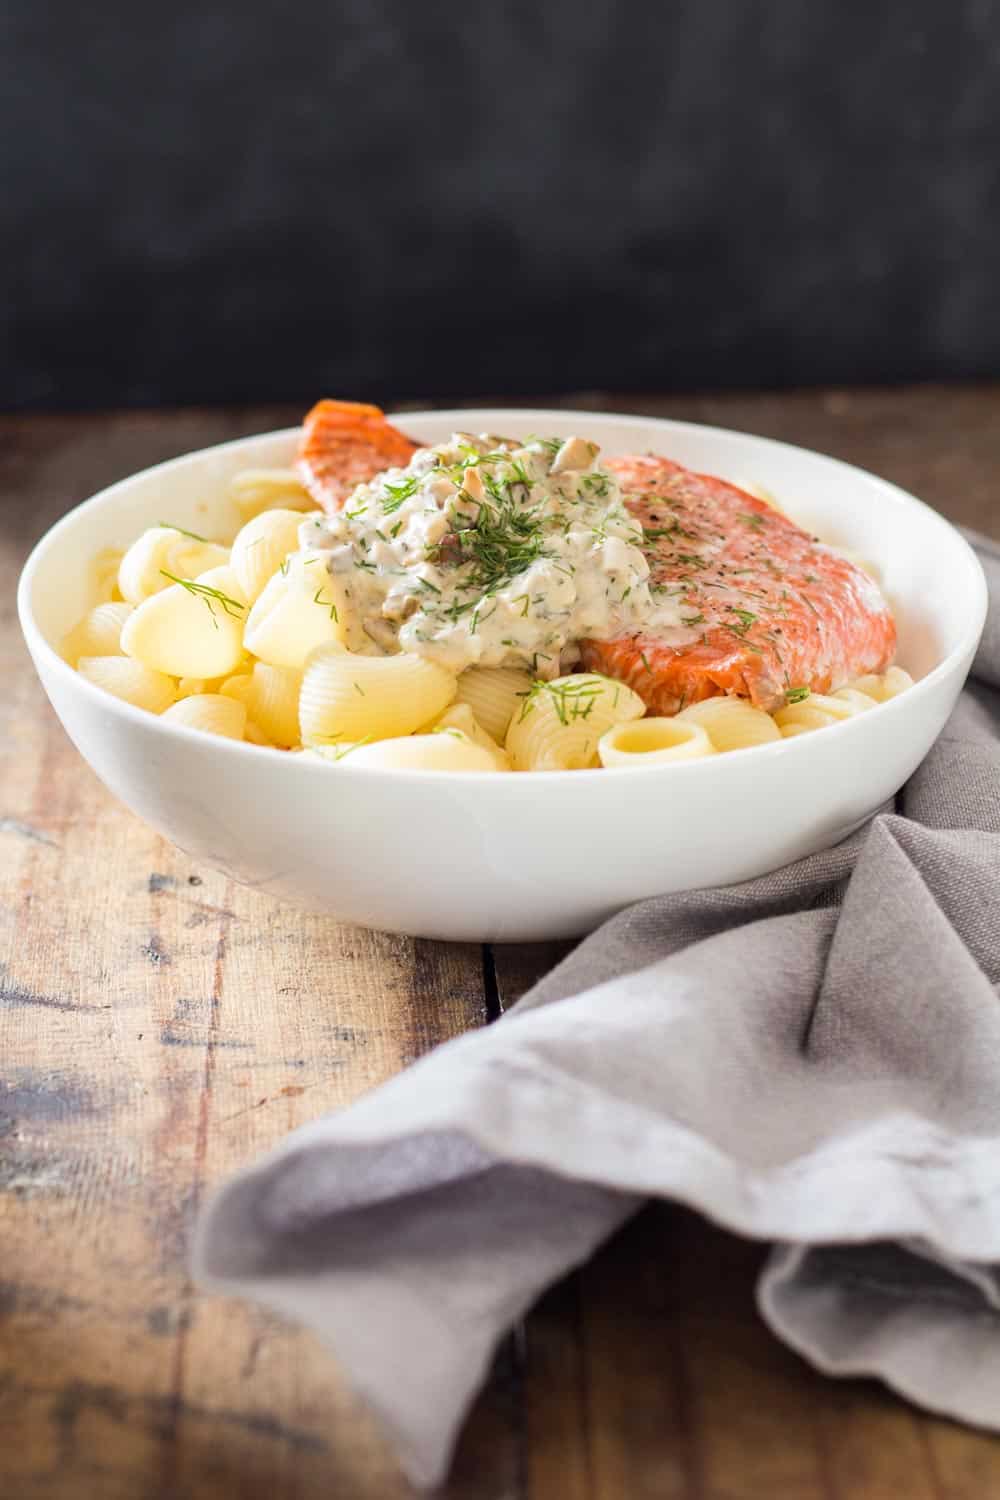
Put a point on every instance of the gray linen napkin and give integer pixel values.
(811, 1058)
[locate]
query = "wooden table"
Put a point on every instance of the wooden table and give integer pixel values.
(162, 1026)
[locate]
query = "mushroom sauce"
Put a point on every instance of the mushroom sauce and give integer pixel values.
(486, 551)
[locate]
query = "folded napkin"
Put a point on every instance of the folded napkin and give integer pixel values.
(811, 1058)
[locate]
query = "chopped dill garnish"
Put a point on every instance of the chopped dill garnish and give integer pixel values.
(396, 530)
(753, 520)
(503, 541)
(572, 699)
(692, 619)
(425, 583)
(739, 631)
(398, 493)
(230, 606)
(745, 618)
(359, 689)
(339, 753)
(691, 560)
(173, 526)
(325, 603)
(523, 600)
(645, 661)
(551, 445)
(796, 695)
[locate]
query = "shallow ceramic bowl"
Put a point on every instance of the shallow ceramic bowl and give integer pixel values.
(485, 857)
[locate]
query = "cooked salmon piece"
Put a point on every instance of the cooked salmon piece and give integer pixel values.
(345, 443)
(765, 609)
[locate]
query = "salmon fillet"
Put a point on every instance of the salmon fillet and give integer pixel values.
(766, 608)
(345, 443)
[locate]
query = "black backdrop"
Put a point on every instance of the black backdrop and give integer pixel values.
(394, 198)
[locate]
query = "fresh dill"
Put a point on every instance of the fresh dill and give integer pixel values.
(317, 599)
(796, 695)
(173, 526)
(739, 632)
(230, 606)
(572, 699)
(398, 493)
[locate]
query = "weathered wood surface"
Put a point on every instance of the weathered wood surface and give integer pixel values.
(160, 1026)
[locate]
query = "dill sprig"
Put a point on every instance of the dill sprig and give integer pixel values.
(503, 541)
(173, 526)
(203, 591)
(796, 695)
(398, 493)
(572, 699)
(326, 603)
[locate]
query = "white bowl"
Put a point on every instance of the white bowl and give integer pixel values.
(494, 858)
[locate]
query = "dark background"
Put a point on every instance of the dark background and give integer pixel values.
(401, 198)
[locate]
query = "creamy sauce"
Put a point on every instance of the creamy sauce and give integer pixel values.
(491, 552)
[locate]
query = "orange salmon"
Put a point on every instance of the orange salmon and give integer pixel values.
(345, 443)
(767, 609)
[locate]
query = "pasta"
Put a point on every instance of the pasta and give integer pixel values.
(261, 546)
(560, 723)
(256, 490)
(194, 628)
(493, 694)
(272, 702)
(129, 680)
(349, 697)
(821, 709)
(461, 718)
(427, 618)
(160, 552)
(883, 686)
(648, 742)
(731, 723)
(99, 633)
(298, 610)
(210, 712)
(105, 574)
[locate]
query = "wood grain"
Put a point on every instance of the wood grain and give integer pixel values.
(160, 1026)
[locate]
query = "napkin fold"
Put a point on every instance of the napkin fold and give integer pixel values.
(810, 1058)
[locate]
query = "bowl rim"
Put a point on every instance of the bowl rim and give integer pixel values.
(39, 646)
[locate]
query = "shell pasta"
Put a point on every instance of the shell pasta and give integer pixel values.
(440, 616)
(349, 697)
